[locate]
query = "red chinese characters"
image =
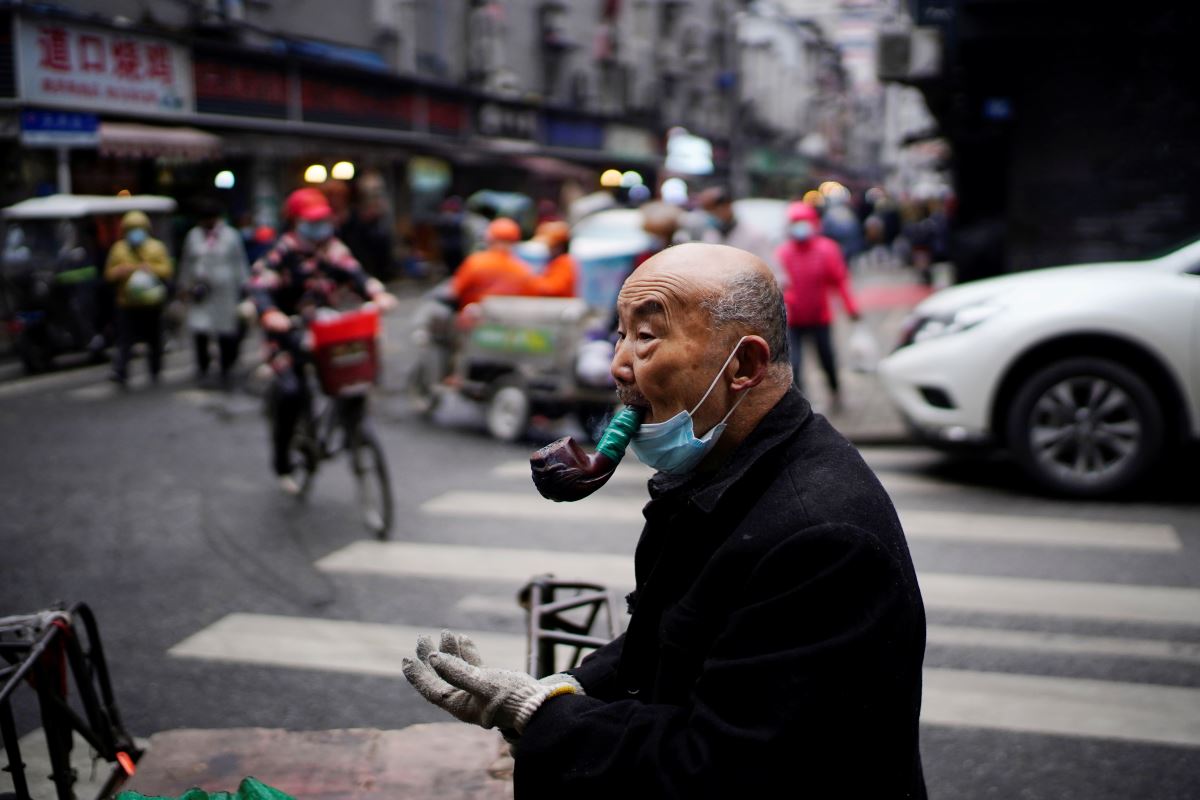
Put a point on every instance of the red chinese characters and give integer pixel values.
(92, 56)
(127, 61)
(54, 49)
(158, 63)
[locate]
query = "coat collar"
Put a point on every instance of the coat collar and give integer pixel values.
(706, 489)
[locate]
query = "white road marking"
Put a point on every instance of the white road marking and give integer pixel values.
(904, 457)
(1163, 605)
(1062, 706)
(976, 593)
(1018, 703)
(531, 506)
(333, 645)
(936, 525)
(1063, 643)
(502, 564)
(1047, 531)
(490, 604)
(631, 472)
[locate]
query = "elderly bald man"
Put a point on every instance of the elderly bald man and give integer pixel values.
(777, 628)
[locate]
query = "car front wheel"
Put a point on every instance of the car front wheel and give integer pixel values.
(1085, 427)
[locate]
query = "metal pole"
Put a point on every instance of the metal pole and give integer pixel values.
(64, 170)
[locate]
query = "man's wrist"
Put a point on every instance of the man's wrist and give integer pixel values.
(528, 706)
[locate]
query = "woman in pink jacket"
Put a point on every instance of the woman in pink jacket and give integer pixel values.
(815, 269)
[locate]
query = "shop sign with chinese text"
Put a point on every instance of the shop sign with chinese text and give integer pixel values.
(63, 64)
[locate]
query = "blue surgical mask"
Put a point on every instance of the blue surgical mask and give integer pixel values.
(801, 231)
(672, 446)
(136, 236)
(315, 231)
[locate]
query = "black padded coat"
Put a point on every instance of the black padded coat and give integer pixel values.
(775, 642)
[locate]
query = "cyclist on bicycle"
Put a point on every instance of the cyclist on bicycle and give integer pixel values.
(307, 269)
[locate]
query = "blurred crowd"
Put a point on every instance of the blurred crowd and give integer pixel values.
(490, 243)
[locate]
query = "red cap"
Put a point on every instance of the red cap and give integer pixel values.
(316, 211)
(264, 234)
(301, 199)
(801, 211)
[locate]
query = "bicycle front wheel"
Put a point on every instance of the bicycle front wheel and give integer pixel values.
(372, 483)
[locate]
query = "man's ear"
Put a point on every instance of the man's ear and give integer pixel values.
(751, 363)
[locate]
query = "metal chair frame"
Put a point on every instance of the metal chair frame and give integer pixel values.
(41, 650)
(546, 599)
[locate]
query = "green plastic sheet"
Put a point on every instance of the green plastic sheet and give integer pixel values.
(248, 789)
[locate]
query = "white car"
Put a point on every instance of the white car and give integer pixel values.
(1087, 374)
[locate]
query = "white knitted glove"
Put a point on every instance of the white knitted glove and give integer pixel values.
(559, 678)
(455, 679)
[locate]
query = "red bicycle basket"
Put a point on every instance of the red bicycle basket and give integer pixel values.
(345, 350)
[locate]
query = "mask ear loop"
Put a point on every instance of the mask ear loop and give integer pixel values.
(713, 385)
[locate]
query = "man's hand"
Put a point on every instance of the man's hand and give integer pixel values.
(455, 679)
(275, 321)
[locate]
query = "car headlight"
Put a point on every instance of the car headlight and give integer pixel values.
(923, 327)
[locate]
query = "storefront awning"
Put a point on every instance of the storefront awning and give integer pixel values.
(556, 169)
(132, 140)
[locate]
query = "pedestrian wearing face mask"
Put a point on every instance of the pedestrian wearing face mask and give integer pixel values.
(138, 267)
(307, 268)
(815, 269)
(212, 274)
(777, 629)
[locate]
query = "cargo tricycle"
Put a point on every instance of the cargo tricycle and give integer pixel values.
(518, 356)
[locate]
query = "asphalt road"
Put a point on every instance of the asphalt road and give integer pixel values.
(1064, 656)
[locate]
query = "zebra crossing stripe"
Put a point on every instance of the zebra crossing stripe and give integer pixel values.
(636, 474)
(1047, 531)
(331, 645)
(511, 565)
(1062, 706)
(1012, 702)
(1162, 605)
(936, 525)
(880, 459)
(1046, 642)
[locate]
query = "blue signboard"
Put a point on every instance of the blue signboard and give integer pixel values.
(562, 131)
(59, 129)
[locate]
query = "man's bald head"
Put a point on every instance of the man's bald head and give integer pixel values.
(734, 287)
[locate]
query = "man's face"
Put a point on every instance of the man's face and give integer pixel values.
(666, 356)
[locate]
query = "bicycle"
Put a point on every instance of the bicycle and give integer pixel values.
(345, 357)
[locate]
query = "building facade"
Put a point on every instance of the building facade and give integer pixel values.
(432, 97)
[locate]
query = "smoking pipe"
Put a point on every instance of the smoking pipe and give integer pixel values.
(563, 471)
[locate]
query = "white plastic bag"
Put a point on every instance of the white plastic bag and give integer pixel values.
(863, 349)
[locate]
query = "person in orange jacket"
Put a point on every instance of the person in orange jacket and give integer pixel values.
(558, 280)
(494, 270)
